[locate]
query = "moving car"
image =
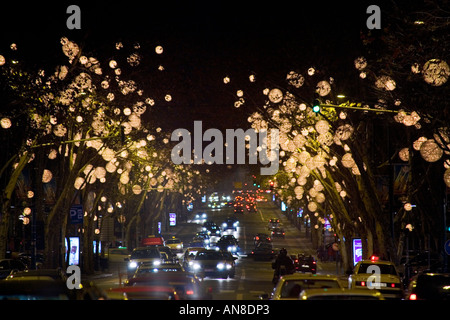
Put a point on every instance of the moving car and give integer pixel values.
(429, 286)
(278, 232)
(305, 263)
(340, 294)
(212, 263)
(175, 244)
(290, 286)
(143, 293)
(142, 255)
(377, 274)
(189, 256)
(228, 243)
(152, 240)
(146, 268)
(261, 237)
(116, 255)
(230, 223)
(263, 251)
(273, 223)
(186, 285)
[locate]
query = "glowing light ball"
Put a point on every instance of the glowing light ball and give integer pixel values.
(347, 160)
(47, 176)
(386, 83)
(159, 49)
(275, 95)
(2, 60)
(418, 143)
(447, 177)
(430, 151)
(360, 63)
(312, 206)
(436, 72)
(404, 154)
(5, 123)
(323, 88)
(322, 126)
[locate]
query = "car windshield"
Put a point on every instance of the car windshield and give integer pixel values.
(209, 255)
(292, 288)
(174, 241)
(384, 268)
(145, 254)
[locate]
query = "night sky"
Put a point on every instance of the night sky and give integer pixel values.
(203, 41)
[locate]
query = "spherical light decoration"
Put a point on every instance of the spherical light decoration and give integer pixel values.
(159, 49)
(386, 83)
(323, 88)
(5, 123)
(312, 206)
(407, 206)
(137, 189)
(344, 132)
(347, 160)
(2, 60)
(447, 177)
(436, 72)
(430, 151)
(47, 176)
(360, 63)
(404, 154)
(322, 126)
(418, 143)
(275, 95)
(295, 79)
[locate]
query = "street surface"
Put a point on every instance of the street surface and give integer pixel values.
(253, 278)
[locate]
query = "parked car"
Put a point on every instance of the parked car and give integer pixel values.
(9, 265)
(429, 286)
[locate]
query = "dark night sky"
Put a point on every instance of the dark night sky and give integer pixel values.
(203, 42)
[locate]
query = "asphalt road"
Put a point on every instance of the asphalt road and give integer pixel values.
(252, 278)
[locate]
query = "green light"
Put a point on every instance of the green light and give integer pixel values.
(316, 106)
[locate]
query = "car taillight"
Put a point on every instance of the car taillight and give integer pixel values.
(314, 262)
(413, 296)
(189, 292)
(361, 283)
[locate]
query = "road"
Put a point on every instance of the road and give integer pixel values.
(253, 278)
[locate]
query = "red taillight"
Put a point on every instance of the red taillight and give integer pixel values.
(314, 262)
(413, 296)
(189, 292)
(363, 283)
(392, 285)
(257, 238)
(374, 258)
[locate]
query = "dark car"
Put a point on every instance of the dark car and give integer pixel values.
(211, 228)
(261, 237)
(34, 288)
(305, 263)
(238, 208)
(9, 265)
(230, 223)
(212, 263)
(251, 207)
(429, 286)
(278, 232)
(56, 274)
(263, 251)
(228, 243)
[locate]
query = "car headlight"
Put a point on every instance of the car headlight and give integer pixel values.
(220, 266)
(132, 265)
(229, 266)
(224, 225)
(157, 262)
(178, 246)
(196, 266)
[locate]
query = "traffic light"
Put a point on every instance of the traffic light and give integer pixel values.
(316, 106)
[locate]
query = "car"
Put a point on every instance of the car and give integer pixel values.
(189, 256)
(377, 274)
(251, 207)
(175, 244)
(263, 251)
(228, 243)
(261, 237)
(153, 240)
(9, 265)
(188, 286)
(238, 208)
(148, 292)
(146, 268)
(273, 223)
(305, 263)
(208, 262)
(278, 232)
(142, 255)
(429, 286)
(211, 228)
(290, 286)
(230, 223)
(200, 217)
(34, 288)
(56, 274)
(340, 294)
(116, 255)
(202, 236)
